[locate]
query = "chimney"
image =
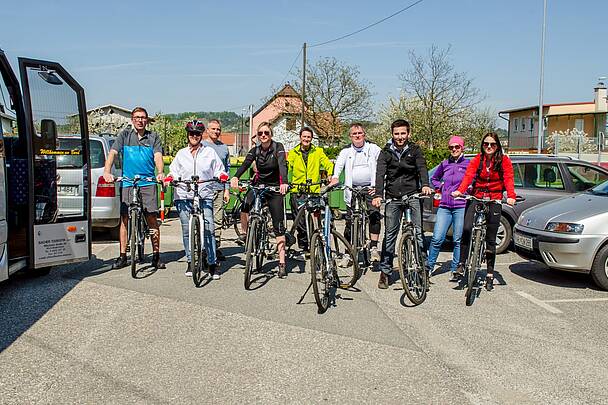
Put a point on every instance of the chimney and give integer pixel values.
(601, 101)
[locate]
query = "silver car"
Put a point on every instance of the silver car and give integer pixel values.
(569, 234)
(105, 198)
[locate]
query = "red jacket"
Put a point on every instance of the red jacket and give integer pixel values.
(489, 183)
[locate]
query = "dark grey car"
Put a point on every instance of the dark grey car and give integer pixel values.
(538, 178)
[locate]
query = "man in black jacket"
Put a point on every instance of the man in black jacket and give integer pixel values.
(401, 170)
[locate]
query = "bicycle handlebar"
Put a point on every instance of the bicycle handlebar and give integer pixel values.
(406, 198)
(259, 187)
(193, 180)
(483, 200)
(136, 179)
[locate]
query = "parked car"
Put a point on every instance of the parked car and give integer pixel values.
(568, 234)
(105, 198)
(538, 178)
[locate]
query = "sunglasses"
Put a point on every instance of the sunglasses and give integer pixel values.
(489, 144)
(260, 133)
(454, 147)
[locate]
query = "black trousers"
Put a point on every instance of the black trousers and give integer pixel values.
(492, 224)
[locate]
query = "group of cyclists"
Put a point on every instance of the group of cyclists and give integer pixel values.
(397, 170)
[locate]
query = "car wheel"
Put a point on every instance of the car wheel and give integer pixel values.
(504, 235)
(599, 269)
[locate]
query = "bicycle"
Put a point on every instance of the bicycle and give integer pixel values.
(359, 222)
(198, 253)
(303, 210)
(412, 271)
(232, 216)
(137, 226)
(325, 278)
(257, 243)
(477, 247)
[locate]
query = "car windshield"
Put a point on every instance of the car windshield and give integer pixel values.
(602, 189)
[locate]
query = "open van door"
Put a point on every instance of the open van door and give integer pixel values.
(54, 106)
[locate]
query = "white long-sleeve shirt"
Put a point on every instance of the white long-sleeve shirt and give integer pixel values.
(346, 161)
(205, 163)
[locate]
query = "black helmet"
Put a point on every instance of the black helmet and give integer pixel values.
(195, 126)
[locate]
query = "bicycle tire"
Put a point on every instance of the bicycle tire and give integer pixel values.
(133, 230)
(195, 251)
(346, 280)
(235, 214)
(318, 273)
(141, 237)
(473, 263)
(412, 273)
(250, 251)
(260, 250)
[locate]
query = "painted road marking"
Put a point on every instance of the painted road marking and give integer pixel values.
(540, 303)
(578, 300)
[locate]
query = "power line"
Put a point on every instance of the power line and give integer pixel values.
(369, 26)
(292, 65)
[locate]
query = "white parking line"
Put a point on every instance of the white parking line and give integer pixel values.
(538, 302)
(579, 300)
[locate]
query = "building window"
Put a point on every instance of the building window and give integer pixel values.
(579, 124)
(516, 124)
(523, 124)
(291, 124)
(532, 124)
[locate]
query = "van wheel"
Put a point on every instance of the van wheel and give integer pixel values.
(599, 269)
(504, 235)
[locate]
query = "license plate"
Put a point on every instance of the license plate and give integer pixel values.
(523, 241)
(67, 190)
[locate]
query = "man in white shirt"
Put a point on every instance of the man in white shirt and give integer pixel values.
(197, 159)
(358, 161)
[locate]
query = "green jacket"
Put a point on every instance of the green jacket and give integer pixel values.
(301, 172)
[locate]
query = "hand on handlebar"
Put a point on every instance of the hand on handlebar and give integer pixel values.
(426, 190)
(160, 177)
(377, 202)
(234, 183)
(371, 190)
(457, 194)
(284, 188)
(511, 201)
(108, 177)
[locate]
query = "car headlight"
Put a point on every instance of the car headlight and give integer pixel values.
(565, 227)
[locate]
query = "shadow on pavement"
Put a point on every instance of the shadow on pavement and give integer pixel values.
(539, 273)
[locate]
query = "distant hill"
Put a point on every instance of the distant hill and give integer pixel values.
(231, 121)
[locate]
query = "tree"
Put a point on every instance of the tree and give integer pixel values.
(438, 100)
(335, 96)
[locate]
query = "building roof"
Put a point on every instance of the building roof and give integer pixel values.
(114, 106)
(286, 92)
(563, 107)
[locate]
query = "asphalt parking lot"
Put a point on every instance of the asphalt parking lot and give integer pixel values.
(89, 334)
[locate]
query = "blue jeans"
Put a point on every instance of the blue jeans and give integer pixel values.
(184, 207)
(446, 217)
(393, 213)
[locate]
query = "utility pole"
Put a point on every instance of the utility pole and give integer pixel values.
(542, 82)
(303, 83)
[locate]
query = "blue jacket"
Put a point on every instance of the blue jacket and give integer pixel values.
(447, 178)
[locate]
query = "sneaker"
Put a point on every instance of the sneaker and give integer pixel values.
(375, 255)
(188, 272)
(282, 270)
(219, 255)
(489, 283)
(120, 262)
(156, 263)
(346, 261)
(454, 277)
(383, 282)
(460, 269)
(215, 274)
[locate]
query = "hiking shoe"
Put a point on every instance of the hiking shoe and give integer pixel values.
(489, 283)
(374, 255)
(120, 262)
(282, 270)
(156, 263)
(383, 282)
(188, 272)
(346, 261)
(219, 255)
(460, 269)
(454, 277)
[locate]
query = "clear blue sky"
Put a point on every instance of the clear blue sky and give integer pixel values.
(188, 55)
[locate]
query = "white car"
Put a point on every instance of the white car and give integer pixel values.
(570, 234)
(105, 198)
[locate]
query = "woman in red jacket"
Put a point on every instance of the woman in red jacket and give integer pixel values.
(490, 173)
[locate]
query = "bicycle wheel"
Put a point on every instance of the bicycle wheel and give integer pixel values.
(473, 264)
(250, 251)
(141, 237)
(133, 231)
(196, 251)
(321, 284)
(260, 248)
(235, 216)
(347, 275)
(413, 276)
